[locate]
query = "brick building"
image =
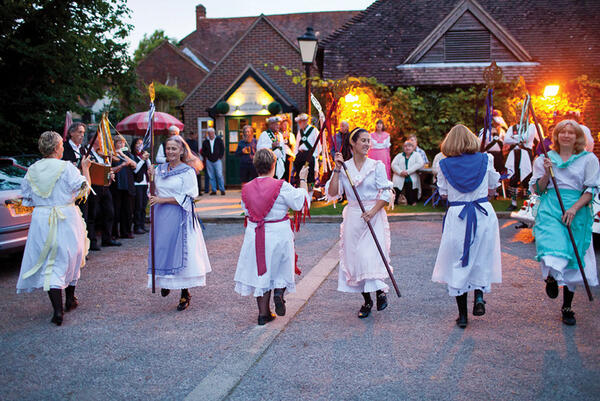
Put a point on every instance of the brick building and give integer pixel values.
(433, 43)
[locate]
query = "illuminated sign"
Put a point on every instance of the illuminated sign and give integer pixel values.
(249, 99)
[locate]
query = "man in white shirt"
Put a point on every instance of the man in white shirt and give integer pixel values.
(272, 139)
(306, 138)
(519, 160)
(161, 157)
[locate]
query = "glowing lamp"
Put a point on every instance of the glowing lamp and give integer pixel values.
(350, 98)
(551, 90)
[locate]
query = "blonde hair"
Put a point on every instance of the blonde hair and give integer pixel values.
(187, 157)
(460, 140)
(48, 142)
(580, 141)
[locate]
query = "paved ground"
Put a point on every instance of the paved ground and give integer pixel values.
(228, 205)
(125, 343)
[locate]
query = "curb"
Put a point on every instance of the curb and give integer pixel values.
(393, 217)
(224, 378)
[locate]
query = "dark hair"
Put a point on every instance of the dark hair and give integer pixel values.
(74, 127)
(133, 143)
(263, 161)
(353, 135)
(382, 124)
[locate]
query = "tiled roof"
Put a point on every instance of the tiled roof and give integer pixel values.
(215, 36)
(560, 35)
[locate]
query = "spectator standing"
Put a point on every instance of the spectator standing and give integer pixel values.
(213, 150)
(161, 157)
(406, 180)
(142, 160)
(246, 150)
(380, 146)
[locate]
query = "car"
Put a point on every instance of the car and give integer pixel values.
(14, 218)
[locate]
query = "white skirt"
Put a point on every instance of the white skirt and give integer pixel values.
(279, 256)
(484, 267)
(198, 265)
(70, 254)
(361, 267)
(557, 267)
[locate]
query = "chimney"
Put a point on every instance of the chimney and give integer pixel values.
(200, 15)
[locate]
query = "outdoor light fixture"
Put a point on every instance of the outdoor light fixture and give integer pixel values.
(551, 90)
(308, 50)
(350, 98)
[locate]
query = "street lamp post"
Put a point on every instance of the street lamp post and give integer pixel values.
(308, 50)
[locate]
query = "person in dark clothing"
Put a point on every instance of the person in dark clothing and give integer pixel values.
(141, 158)
(73, 151)
(213, 150)
(123, 190)
(245, 151)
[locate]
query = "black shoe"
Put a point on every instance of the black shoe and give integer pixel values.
(57, 320)
(164, 292)
(71, 301)
(139, 231)
(262, 320)
(213, 193)
(111, 243)
(551, 287)
(184, 302)
(55, 296)
(511, 207)
(279, 304)
(94, 246)
(365, 310)
(381, 301)
(223, 193)
(462, 321)
(478, 304)
(568, 316)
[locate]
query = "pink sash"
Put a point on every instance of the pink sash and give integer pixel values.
(258, 196)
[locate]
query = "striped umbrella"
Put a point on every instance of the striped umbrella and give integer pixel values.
(137, 124)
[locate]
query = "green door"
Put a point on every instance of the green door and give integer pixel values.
(232, 136)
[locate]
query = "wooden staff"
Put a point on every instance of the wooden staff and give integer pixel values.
(152, 193)
(560, 201)
(362, 207)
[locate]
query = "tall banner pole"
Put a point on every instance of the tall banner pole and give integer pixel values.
(152, 184)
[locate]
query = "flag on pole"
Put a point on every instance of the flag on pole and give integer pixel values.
(107, 145)
(68, 122)
(149, 129)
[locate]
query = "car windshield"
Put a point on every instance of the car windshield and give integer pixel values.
(11, 177)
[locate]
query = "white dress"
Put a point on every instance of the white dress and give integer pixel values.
(57, 242)
(361, 267)
(484, 266)
(279, 247)
(184, 188)
(582, 175)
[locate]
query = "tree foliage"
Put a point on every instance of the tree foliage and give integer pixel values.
(149, 43)
(167, 98)
(54, 53)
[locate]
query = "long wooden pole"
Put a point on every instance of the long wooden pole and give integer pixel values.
(362, 207)
(560, 201)
(153, 193)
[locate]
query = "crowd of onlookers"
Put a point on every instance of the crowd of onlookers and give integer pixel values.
(118, 204)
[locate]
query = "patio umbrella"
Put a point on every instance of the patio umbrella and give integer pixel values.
(136, 124)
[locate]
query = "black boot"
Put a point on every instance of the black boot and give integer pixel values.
(184, 301)
(381, 300)
(71, 301)
(279, 301)
(551, 287)
(264, 308)
(55, 296)
(461, 302)
(365, 310)
(478, 304)
(568, 316)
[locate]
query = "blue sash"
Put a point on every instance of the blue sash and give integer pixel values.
(469, 211)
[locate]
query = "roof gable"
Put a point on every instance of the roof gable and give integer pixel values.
(467, 14)
(261, 20)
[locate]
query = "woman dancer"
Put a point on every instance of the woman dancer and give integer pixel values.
(380, 147)
(267, 258)
(469, 254)
(180, 257)
(578, 177)
(56, 245)
(361, 268)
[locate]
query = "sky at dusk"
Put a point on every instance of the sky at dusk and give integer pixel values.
(178, 17)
